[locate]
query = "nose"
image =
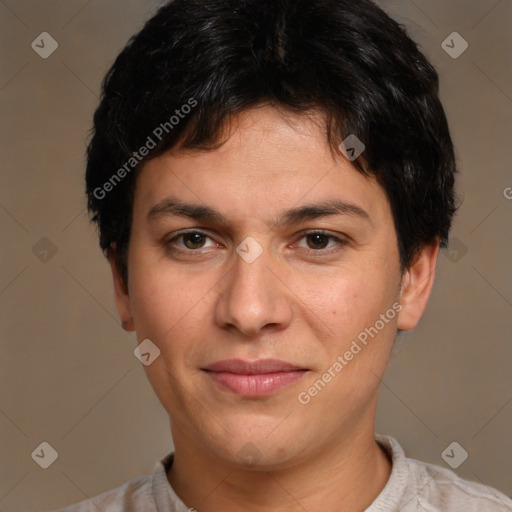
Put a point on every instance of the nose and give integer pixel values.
(254, 296)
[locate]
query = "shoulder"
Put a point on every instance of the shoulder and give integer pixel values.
(427, 487)
(445, 490)
(132, 496)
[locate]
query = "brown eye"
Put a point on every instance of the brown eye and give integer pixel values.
(190, 244)
(318, 240)
(193, 240)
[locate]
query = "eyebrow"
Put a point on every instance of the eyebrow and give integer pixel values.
(321, 209)
(172, 206)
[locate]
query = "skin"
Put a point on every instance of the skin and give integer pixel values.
(303, 300)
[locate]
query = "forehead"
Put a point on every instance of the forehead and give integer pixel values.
(269, 161)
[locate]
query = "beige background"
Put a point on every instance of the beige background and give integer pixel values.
(68, 375)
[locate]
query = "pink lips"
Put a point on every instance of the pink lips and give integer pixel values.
(254, 379)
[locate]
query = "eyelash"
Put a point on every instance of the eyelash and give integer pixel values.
(340, 242)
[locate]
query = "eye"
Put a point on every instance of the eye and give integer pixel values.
(319, 240)
(195, 241)
(192, 240)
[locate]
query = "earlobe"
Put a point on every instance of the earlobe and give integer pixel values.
(417, 285)
(121, 293)
(128, 324)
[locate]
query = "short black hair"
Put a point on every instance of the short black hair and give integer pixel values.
(198, 63)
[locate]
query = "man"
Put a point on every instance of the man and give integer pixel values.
(272, 181)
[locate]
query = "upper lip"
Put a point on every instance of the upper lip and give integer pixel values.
(259, 366)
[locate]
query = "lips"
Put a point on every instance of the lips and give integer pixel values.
(254, 378)
(260, 366)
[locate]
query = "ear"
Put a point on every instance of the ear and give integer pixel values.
(121, 294)
(417, 283)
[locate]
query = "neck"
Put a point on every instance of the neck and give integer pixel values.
(352, 472)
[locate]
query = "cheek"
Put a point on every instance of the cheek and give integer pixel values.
(351, 303)
(346, 301)
(171, 313)
(164, 301)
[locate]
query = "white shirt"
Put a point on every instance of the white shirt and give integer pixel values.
(413, 486)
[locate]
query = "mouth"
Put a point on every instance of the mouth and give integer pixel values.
(252, 379)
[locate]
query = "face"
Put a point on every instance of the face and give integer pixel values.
(268, 248)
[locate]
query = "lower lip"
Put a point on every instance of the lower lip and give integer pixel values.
(257, 385)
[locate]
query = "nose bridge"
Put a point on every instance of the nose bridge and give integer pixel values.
(252, 297)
